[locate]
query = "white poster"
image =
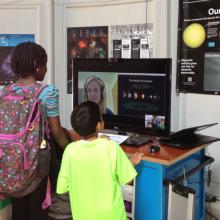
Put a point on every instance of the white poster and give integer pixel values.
(144, 49)
(117, 48)
(138, 37)
(126, 48)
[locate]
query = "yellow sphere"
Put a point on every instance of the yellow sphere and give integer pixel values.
(194, 35)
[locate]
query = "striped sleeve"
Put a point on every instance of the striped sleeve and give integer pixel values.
(50, 99)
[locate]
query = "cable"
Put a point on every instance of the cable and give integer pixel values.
(210, 211)
(184, 174)
(209, 171)
(209, 179)
(207, 152)
(146, 10)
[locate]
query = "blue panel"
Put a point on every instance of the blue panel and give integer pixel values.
(152, 195)
(149, 191)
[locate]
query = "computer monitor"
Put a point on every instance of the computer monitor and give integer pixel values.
(134, 94)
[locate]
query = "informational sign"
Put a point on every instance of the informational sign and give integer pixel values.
(131, 41)
(135, 48)
(85, 42)
(126, 48)
(198, 64)
(7, 44)
(117, 46)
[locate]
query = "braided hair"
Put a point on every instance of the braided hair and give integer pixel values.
(27, 57)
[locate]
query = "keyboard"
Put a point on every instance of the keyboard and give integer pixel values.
(137, 140)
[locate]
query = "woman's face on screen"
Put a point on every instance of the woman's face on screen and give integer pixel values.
(94, 91)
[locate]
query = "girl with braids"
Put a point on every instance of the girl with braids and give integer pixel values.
(29, 63)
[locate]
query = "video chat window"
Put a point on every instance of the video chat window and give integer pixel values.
(100, 88)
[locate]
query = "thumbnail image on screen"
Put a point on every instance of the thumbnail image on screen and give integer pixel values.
(100, 88)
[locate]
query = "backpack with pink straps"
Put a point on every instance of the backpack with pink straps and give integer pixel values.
(24, 154)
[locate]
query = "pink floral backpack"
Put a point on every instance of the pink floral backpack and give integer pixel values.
(21, 141)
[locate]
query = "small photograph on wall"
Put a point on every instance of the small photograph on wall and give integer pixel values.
(7, 44)
(131, 41)
(117, 48)
(85, 42)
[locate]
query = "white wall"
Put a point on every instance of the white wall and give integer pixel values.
(104, 13)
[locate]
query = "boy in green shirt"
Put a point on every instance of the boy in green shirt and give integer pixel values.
(93, 169)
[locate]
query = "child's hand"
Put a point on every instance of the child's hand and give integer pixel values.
(136, 158)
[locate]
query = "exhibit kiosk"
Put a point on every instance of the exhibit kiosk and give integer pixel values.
(137, 93)
(157, 169)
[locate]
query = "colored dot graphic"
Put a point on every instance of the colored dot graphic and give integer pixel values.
(194, 35)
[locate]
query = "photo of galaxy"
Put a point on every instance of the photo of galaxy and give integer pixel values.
(7, 43)
(6, 73)
(85, 42)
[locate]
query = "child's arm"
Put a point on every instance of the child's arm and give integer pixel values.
(136, 158)
(58, 132)
(125, 170)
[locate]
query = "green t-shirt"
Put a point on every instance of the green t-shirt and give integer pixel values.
(93, 172)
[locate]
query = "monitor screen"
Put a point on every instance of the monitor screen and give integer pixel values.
(133, 94)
